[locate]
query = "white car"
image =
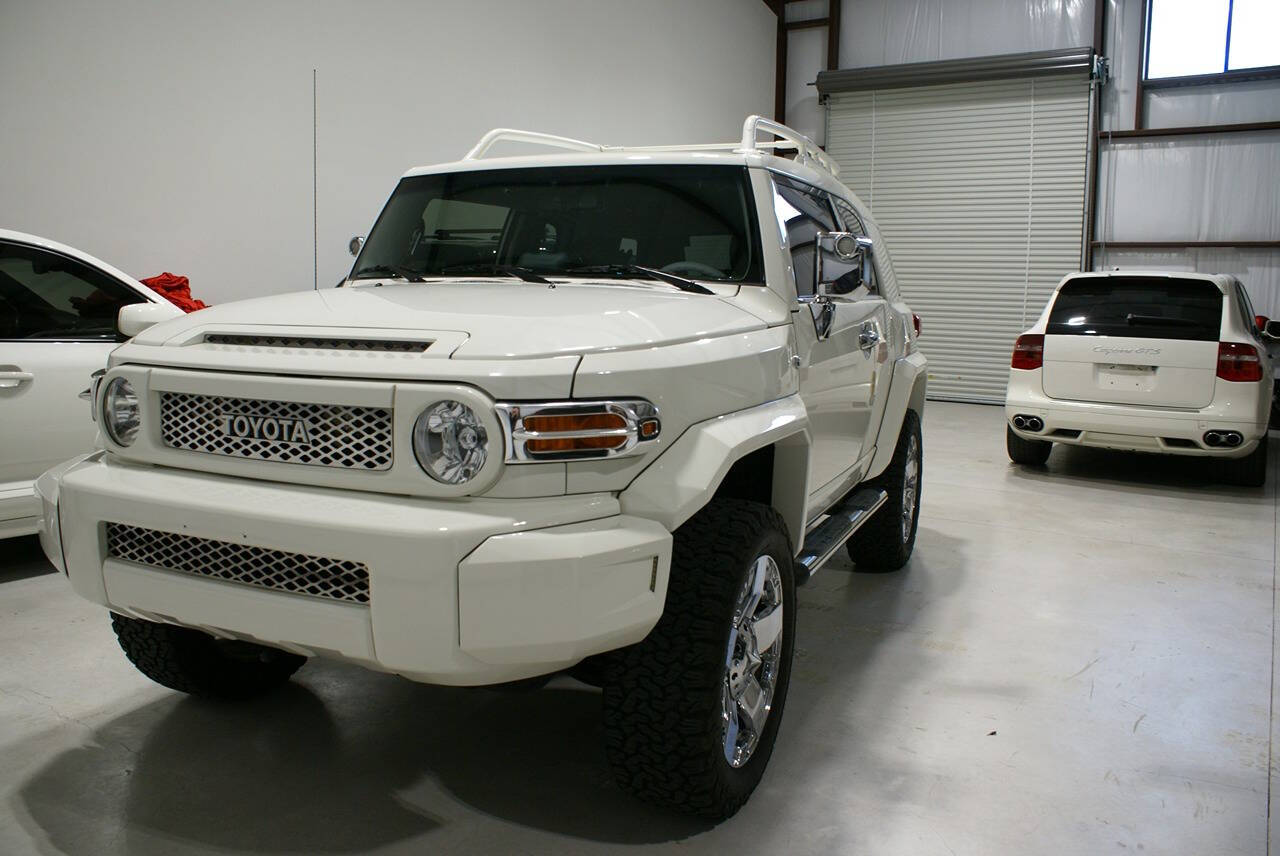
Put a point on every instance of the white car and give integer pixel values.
(1173, 363)
(601, 410)
(58, 311)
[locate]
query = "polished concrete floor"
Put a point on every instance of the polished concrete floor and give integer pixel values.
(1077, 661)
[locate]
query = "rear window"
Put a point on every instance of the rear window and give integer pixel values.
(1154, 308)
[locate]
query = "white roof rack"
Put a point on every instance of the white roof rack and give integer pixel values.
(807, 151)
(498, 135)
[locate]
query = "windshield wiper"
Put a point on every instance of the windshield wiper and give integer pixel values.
(638, 272)
(523, 273)
(396, 270)
(1158, 320)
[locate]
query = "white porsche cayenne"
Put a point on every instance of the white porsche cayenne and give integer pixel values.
(1173, 363)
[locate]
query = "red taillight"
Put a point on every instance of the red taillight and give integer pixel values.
(1260, 322)
(915, 320)
(1028, 351)
(1239, 362)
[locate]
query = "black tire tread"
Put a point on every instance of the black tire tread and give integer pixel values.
(878, 546)
(190, 661)
(662, 695)
(1031, 453)
(1249, 471)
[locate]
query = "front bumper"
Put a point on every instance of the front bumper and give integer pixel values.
(460, 592)
(1143, 429)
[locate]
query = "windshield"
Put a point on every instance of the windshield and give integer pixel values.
(692, 221)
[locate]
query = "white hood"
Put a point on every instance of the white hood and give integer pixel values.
(492, 320)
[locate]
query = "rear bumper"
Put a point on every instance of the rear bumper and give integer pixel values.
(459, 592)
(1112, 426)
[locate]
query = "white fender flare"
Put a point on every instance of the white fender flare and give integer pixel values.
(686, 476)
(906, 392)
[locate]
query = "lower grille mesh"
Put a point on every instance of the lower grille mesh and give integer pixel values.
(296, 573)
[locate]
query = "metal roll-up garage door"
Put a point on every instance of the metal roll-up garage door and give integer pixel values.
(979, 188)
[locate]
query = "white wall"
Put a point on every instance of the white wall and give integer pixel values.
(177, 135)
(891, 32)
(1174, 188)
(1200, 187)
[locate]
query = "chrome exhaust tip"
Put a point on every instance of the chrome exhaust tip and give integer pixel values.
(1223, 439)
(1028, 423)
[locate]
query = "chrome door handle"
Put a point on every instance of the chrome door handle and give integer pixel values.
(868, 337)
(10, 379)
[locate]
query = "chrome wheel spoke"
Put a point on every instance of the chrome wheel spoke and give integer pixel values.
(752, 659)
(731, 727)
(910, 487)
(753, 706)
(768, 629)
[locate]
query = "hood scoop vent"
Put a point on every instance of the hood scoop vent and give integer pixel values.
(398, 346)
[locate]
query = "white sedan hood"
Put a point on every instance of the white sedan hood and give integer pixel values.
(505, 320)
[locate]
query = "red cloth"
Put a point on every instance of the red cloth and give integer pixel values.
(175, 289)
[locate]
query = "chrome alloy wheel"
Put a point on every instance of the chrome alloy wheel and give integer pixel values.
(752, 660)
(910, 486)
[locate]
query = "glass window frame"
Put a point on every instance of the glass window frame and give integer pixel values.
(1225, 75)
(753, 275)
(804, 293)
(97, 276)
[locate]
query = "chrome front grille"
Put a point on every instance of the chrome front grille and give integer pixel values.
(326, 435)
(296, 573)
(391, 345)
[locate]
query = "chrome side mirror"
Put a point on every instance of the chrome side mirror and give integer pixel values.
(1271, 329)
(136, 317)
(354, 245)
(839, 262)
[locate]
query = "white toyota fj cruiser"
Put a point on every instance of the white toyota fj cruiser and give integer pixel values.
(600, 410)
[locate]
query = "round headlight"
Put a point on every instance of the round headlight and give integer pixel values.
(449, 442)
(121, 415)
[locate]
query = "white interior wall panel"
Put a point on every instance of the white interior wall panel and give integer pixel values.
(890, 32)
(979, 189)
(1187, 188)
(179, 135)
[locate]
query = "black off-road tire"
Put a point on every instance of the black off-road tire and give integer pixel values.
(663, 701)
(884, 543)
(1031, 453)
(193, 662)
(1249, 471)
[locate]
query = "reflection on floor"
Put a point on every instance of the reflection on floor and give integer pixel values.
(1077, 660)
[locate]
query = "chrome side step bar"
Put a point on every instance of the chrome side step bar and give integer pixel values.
(821, 542)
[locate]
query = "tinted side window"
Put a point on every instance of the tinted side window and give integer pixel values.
(852, 222)
(1148, 307)
(803, 212)
(44, 295)
(1247, 312)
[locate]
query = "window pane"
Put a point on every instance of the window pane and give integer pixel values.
(803, 213)
(44, 295)
(1187, 37)
(1255, 33)
(1137, 306)
(692, 220)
